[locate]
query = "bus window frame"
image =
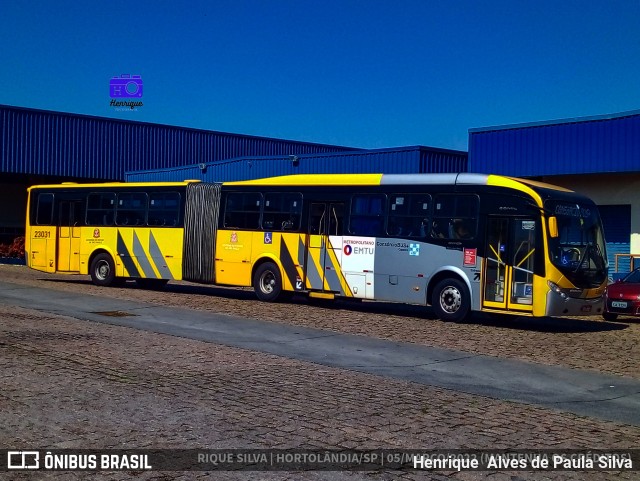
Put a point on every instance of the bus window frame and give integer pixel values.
(368, 227)
(128, 213)
(420, 229)
(226, 216)
(446, 227)
(166, 221)
(52, 209)
(101, 209)
(288, 225)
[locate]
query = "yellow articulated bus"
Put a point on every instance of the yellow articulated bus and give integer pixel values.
(458, 242)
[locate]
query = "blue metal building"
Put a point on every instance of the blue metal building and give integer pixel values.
(587, 145)
(71, 146)
(401, 160)
(598, 156)
(38, 146)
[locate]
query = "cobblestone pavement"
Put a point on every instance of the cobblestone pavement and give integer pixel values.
(68, 383)
(583, 343)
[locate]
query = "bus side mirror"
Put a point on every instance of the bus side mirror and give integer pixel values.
(553, 227)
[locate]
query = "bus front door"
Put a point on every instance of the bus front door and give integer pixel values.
(324, 248)
(70, 218)
(508, 264)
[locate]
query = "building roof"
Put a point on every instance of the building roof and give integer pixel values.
(75, 146)
(585, 145)
(399, 160)
(572, 120)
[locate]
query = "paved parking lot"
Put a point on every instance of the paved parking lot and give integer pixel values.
(69, 383)
(582, 343)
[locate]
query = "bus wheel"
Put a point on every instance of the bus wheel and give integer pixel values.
(102, 270)
(451, 300)
(267, 282)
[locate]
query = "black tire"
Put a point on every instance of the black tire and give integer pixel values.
(451, 300)
(609, 316)
(153, 284)
(103, 270)
(267, 282)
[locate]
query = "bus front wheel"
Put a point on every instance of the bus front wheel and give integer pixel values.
(267, 282)
(451, 300)
(102, 270)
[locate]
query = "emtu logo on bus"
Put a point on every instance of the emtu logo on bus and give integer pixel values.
(347, 250)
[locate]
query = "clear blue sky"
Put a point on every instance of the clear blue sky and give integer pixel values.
(371, 74)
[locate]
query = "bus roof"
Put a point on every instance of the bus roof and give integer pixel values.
(367, 179)
(73, 185)
(462, 178)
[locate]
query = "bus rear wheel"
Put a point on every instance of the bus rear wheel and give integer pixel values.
(451, 300)
(102, 270)
(267, 282)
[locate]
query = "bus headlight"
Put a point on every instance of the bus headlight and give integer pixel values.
(556, 288)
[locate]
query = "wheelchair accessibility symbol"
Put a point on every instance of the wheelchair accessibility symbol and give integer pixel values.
(268, 238)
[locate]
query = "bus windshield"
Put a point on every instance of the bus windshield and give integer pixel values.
(579, 251)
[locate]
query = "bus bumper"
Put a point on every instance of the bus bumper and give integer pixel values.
(562, 305)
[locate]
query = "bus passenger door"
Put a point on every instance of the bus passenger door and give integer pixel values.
(508, 264)
(70, 219)
(324, 247)
(42, 234)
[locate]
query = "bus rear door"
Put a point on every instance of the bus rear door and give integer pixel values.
(324, 248)
(508, 270)
(42, 233)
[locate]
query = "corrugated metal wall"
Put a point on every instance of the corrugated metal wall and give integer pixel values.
(406, 160)
(40, 142)
(616, 221)
(577, 146)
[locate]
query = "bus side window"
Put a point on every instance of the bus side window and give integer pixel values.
(408, 215)
(242, 210)
(101, 208)
(460, 229)
(367, 215)
(164, 209)
(44, 215)
(281, 211)
(455, 216)
(131, 208)
(438, 230)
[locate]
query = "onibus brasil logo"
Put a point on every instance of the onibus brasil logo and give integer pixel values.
(128, 88)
